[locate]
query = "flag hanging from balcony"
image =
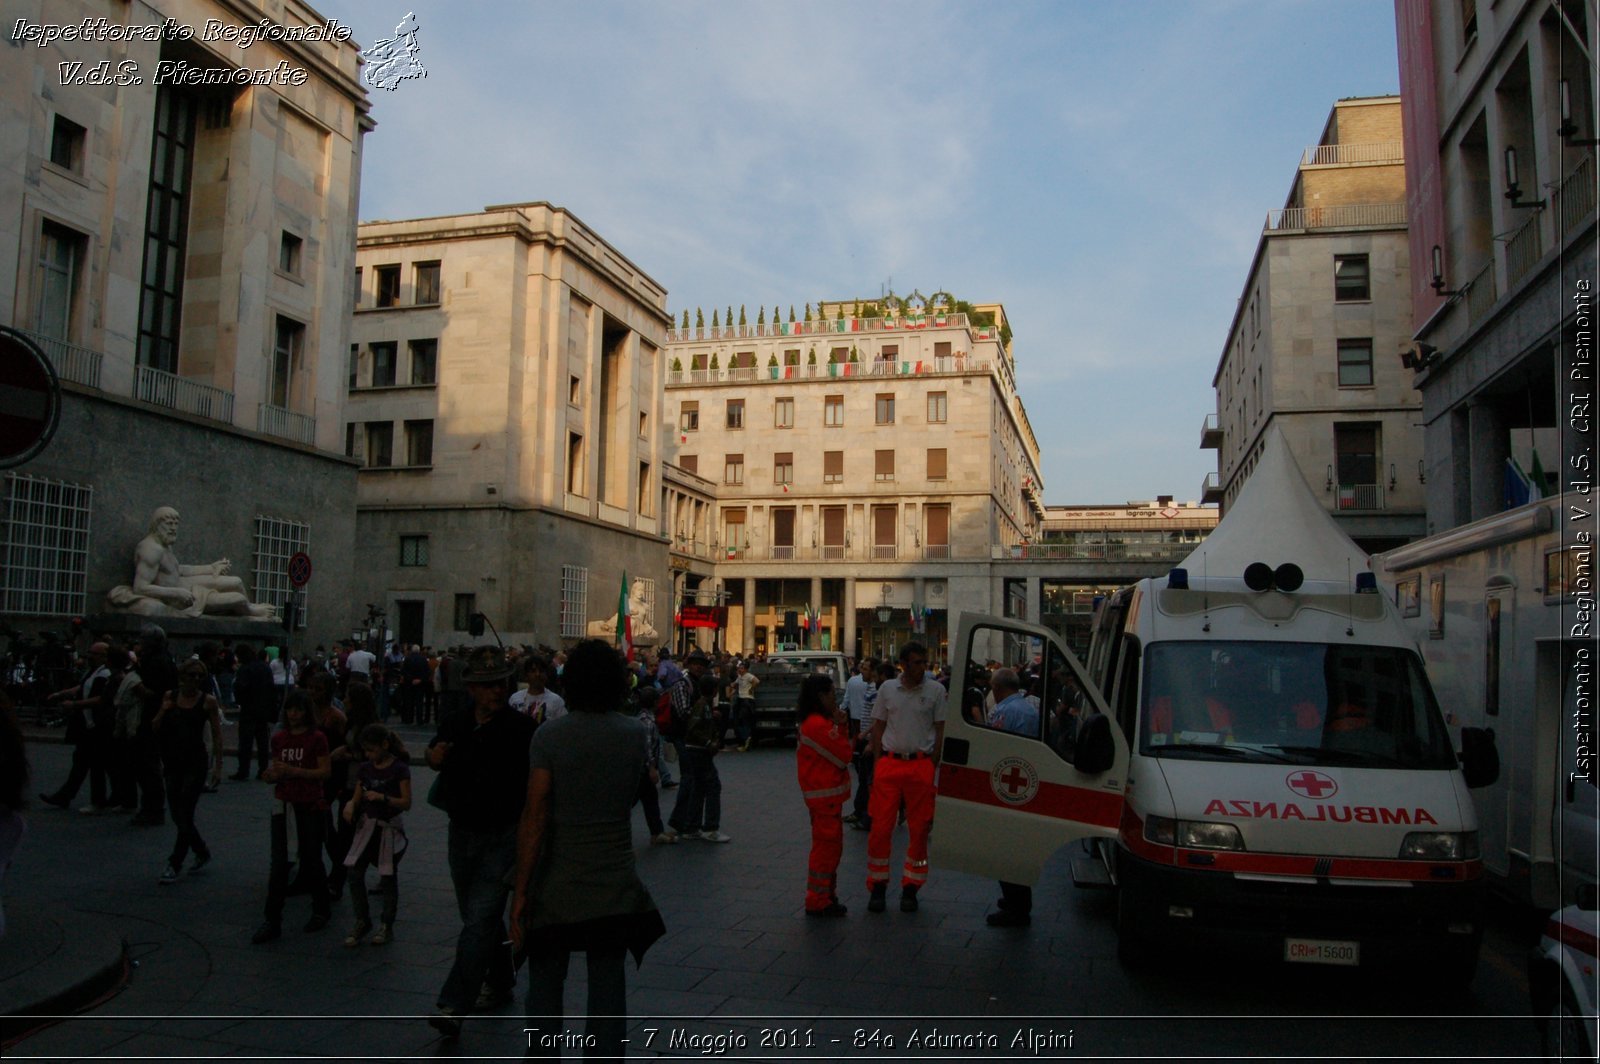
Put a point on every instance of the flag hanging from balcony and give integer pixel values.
(1537, 477)
(1519, 489)
(624, 620)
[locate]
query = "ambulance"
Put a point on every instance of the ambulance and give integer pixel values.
(1252, 750)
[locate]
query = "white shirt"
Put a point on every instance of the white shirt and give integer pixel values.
(361, 661)
(856, 690)
(909, 714)
(545, 706)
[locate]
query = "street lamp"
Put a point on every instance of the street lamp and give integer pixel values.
(884, 610)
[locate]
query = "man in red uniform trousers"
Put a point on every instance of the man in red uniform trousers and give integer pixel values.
(907, 740)
(823, 753)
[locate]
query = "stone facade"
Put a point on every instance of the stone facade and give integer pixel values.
(183, 256)
(1314, 346)
(504, 399)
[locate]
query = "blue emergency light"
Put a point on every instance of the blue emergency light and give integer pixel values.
(1178, 580)
(1366, 583)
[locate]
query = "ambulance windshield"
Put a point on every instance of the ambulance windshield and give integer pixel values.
(1306, 703)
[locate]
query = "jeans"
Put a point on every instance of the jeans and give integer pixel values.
(744, 718)
(89, 756)
(607, 1007)
(253, 729)
(185, 783)
(308, 822)
(225, 688)
(864, 765)
(480, 861)
(652, 805)
(699, 804)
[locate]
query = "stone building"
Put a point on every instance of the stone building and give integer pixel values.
(180, 214)
(869, 471)
(1500, 136)
(504, 401)
(1315, 342)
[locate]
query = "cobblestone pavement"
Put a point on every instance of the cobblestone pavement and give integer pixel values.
(739, 961)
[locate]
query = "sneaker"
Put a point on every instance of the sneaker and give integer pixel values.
(879, 900)
(851, 818)
(714, 836)
(317, 922)
(833, 909)
(908, 900)
(1007, 918)
(495, 998)
(200, 861)
(91, 810)
(357, 933)
(266, 933)
(668, 785)
(446, 1022)
(666, 838)
(384, 936)
(862, 824)
(169, 875)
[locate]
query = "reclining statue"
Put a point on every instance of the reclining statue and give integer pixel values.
(163, 587)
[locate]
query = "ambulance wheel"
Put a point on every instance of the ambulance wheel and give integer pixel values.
(1564, 1032)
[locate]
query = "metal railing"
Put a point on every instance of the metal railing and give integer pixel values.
(1575, 199)
(836, 327)
(833, 370)
(157, 386)
(285, 424)
(1384, 151)
(1093, 552)
(1342, 217)
(883, 550)
(936, 551)
(833, 552)
(783, 553)
(1524, 249)
(1210, 432)
(80, 365)
(1360, 496)
(1481, 294)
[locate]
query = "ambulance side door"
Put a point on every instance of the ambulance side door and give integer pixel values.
(1008, 800)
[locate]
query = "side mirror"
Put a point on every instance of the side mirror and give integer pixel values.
(1096, 750)
(1480, 761)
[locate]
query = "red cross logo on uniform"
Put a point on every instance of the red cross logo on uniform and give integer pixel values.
(1313, 785)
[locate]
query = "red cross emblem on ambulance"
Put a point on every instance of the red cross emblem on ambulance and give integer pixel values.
(1313, 785)
(1014, 781)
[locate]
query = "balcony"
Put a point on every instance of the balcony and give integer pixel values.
(936, 552)
(1351, 216)
(833, 552)
(1523, 249)
(1211, 488)
(161, 388)
(1575, 199)
(1360, 496)
(80, 365)
(883, 551)
(1210, 433)
(1385, 152)
(783, 553)
(286, 424)
(818, 327)
(1481, 294)
(1094, 552)
(831, 370)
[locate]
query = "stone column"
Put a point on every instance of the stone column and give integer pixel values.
(749, 614)
(1035, 607)
(919, 597)
(849, 610)
(814, 639)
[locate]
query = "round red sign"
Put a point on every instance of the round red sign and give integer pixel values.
(300, 569)
(30, 399)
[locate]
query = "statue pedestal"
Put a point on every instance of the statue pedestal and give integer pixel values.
(186, 632)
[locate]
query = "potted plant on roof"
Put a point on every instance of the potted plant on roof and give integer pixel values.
(811, 363)
(713, 365)
(761, 321)
(677, 363)
(855, 359)
(772, 366)
(742, 325)
(699, 324)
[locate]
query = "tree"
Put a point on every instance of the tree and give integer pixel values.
(854, 357)
(713, 360)
(685, 319)
(839, 318)
(713, 317)
(761, 315)
(699, 319)
(776, 317)
(808, 312)
(791, 312)
(772, 361)
(677, 363)
(741, 315)
(811, 359)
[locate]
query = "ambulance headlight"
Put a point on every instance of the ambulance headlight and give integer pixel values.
(1440, 846)
(1191, 834)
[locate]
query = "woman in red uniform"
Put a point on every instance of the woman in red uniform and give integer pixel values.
(824, 759)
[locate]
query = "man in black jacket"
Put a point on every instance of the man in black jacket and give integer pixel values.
(257, 698)
(482, 758)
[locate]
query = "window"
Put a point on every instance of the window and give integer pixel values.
(574, 601)
(888, 352)
(349, 439)
(66, 144)
(883, 465)
(936, 463)
(355, 300)
(646, 588)
(384, 358)
(783, 532)
(44, 547)
(689, 417)
(427, 282)
(355, 364)
(832, 467)
(1469, 21)
(419, 443)
(883, 538)
(938, 408)
(783, 468)
(466, 606)
(289, 253)
(574, 463)
(885, 408)
(1355, 363)
(61, 254)
(783, 413)
(166, 234)
(689, 463)
(575, 390)
(833, 411)
(936, 531)
(413, 551)
(833, 543)
(1350, 279)
(839, 354)
(645, 496)
(736, 413)
(644, 425)
(1356, 453)
(424, 361)
(288, 360)
(388, 285)
(733, 469)
(941, 349)
(278, 540)
(733, 536)
(380, 444)
(791, 356)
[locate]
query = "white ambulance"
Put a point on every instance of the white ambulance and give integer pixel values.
(1253, 749)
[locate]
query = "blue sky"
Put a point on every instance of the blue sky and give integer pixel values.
(1101, 169)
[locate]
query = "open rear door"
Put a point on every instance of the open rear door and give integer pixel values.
(1008, 801)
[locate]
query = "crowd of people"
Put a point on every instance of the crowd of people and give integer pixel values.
(536, 770)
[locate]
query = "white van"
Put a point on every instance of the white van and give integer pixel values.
(1253, 746)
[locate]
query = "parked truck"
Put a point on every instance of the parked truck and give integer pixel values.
(778, 693)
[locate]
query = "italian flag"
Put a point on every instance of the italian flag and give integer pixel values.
(624, 620)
